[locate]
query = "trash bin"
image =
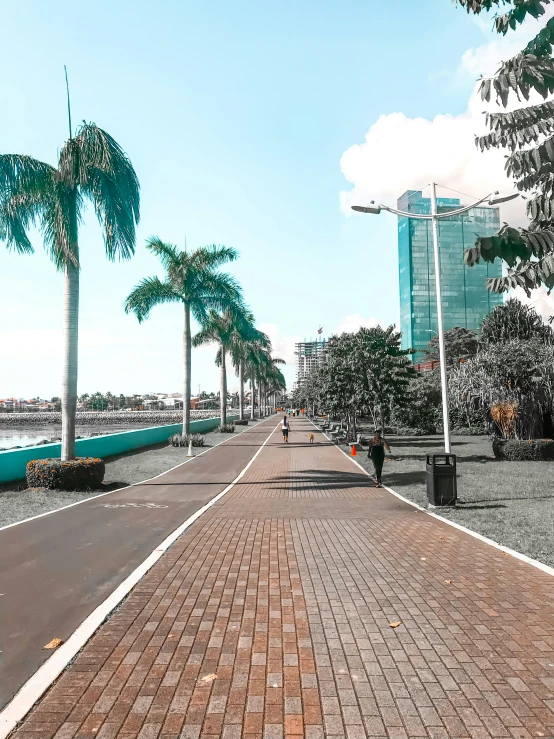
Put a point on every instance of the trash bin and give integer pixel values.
(441, 479)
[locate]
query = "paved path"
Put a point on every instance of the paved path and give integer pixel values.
(285, 590)
(55, 570)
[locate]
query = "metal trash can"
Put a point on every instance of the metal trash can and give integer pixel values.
(441, 479)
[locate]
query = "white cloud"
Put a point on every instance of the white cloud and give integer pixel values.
(353, 323)
(282, 345)
(402, 153)
(540, 300)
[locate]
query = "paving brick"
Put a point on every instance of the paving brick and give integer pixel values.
(285, 590)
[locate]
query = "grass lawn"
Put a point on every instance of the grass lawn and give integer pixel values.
(509, 502)
(17, 503)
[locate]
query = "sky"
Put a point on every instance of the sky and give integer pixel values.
(253, 125)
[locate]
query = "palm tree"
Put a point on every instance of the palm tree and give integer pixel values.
(223, 328)
(191, 279)
(268, 374)
(244, 338)
(91, 166)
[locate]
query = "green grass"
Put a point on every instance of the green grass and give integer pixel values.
(511, 503)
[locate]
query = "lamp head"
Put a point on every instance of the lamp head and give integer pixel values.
(371, 208)
(497, 198)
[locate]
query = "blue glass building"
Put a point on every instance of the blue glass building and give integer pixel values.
(465, 298)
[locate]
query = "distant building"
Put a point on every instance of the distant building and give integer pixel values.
(309, 355)
(465, 298)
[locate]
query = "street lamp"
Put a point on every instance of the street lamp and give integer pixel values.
(375, 208)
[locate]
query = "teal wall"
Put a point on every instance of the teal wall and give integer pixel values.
(13, 463)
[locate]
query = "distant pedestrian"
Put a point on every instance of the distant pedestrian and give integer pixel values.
(285, 429)
(377, 447)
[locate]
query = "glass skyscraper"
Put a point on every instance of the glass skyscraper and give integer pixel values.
(465, 299)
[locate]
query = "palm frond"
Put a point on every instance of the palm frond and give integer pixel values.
(26, 185)
(168, 254)
(96, 163)
(213, 256)
(148, 293)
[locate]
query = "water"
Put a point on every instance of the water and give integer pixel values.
(12, 436)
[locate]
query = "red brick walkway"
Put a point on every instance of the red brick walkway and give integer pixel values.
(285, 590)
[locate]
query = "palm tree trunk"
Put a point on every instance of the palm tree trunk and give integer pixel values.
(223, 388)
(70, 358)
(253, 396)
(241, 390)
(187, 354)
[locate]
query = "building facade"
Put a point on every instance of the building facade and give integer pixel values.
(309, 355)
(465, 298)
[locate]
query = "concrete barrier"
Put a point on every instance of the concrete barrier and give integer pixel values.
(13, 462)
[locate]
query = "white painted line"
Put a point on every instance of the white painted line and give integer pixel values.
(484, 539)
(135, 484)
(43, 678)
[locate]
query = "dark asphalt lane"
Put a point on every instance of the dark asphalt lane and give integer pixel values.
(55, 570)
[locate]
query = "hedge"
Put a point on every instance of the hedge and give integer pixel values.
(79, 474)
(184, 439)
(520, 450)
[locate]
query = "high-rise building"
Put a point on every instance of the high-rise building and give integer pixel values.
(309, 355)
(465, 298)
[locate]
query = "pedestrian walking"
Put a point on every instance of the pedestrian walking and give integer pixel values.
(285, 429)
(376, 453)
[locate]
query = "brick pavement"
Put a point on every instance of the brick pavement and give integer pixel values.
(285, 590)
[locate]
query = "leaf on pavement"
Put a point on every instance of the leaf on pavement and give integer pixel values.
(207, 679)
(53, 644)
(395, 624)
(448, 582)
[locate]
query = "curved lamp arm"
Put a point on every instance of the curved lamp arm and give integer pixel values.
(425, 217)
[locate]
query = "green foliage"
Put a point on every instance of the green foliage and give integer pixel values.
(528, 135)
(91, 167)
(514, 321)
(422, 407)
(185, 439)
(513, 371)
(79, 474)
(363, 371)
(192, 278)
(516, 450)
(459, 343)
(226, 428)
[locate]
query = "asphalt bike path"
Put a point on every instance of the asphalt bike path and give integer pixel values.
(56, 569)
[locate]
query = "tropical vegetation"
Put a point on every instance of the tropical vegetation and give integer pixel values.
(527, 133)
(194, 281)
(91, 167)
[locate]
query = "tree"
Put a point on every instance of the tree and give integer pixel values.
(528, 135)
(514, 321)
(91, 167)
(220, 328)
(191, 279)
(459, 344)
(516, 372)
(244, 338)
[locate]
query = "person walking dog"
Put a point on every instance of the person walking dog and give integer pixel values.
(285, 429)
(376, 453)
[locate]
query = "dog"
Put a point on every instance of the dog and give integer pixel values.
(311, 438)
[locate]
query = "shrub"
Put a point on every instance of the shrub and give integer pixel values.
(185, 439)
(469, 431)
(414, 432)
(226, 428)
(244, 422)
(79, 474)
(519, 450)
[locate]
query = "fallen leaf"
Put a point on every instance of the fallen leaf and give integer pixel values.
(207, 679)
(53, 644)
(395, 624)
(448, 582)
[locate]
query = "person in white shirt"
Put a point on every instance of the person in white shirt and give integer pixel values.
(285, 429)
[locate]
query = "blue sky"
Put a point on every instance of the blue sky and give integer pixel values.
(236, 117)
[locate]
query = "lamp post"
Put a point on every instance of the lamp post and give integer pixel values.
(375, 208)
